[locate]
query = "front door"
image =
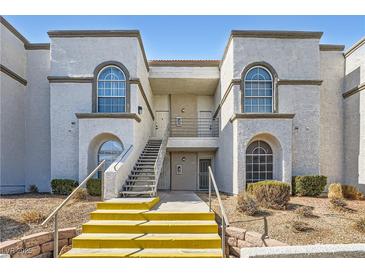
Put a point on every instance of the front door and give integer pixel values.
(161, 122)
(204, 173)
(205, 125)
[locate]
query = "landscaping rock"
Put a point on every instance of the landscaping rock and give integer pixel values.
(236, 232)
(11, 247)
(50, 245)
(241, 244)
(37, 239)
(28, 252)
(254, 238)
(67, 233)
(232, 241)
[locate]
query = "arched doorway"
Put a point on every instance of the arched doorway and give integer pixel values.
(259, 162)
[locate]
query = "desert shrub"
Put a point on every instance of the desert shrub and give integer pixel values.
(80, 195)
(300, 226)
(351, 192)
(246, 204)
(32, 217)
(63, 186)
(270, 194)
(360, 224)
(33, 189)
(94, 187)
(304, 211)
(335, 191)
(309, 185)
(338, 203)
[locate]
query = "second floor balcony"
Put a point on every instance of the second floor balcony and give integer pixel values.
(194, 127)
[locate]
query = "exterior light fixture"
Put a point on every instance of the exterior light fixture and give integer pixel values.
(183, 158)
(139, 110)
(183, 110)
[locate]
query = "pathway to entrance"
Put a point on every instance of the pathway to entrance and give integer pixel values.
(174, 224)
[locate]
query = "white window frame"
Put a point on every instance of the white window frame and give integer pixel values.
(272, 89)
(97, 88)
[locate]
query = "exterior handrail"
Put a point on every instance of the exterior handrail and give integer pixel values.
(225, 221)
(55, 212)
(121, 158)
(161, 156)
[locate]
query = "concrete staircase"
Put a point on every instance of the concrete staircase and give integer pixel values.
(142, 180)
(128, 228)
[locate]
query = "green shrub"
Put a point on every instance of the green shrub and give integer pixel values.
(33, 189)
(309, 185)
(246, 204)
(335, 191)
(63, 186)
(270, 194)
(93, 187)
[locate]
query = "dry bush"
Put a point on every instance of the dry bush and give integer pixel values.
(300, 226)
(270, 194)
(305, 211)
(335, 191)
(339, 204)
(246, 204)
(360, 224)
(80, 195)
(33, 217)
(351, 192)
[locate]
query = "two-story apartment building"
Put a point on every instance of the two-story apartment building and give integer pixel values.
(278, 104)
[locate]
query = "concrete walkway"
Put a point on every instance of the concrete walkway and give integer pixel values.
(180, 201)
(172, 201)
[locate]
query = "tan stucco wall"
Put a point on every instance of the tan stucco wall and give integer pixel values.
(188, 180)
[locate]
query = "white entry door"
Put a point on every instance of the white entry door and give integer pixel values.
(205, 124)
(161, 122)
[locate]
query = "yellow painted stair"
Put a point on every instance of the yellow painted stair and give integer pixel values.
(129, 228)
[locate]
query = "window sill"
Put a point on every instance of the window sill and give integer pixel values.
(98, 115)
(262, 116)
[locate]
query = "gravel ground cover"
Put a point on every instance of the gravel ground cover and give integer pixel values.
(327, 226)
(14, 207)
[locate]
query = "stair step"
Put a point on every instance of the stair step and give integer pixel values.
(141, 175)
(128, 203)
(143, 253)
(138, 186)
(102, 214)
(130, 192)
(141, 180)
(138, 240)
(161, 227)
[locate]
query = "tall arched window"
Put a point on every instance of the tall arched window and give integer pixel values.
(109, 151)
(259, 162)
(258, 90)
(111, 90)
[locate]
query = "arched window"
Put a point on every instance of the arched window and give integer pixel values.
(111, 90)
(259, 160)
(258, 90)
(109, 151)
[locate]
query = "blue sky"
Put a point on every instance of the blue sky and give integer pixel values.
(193, 37)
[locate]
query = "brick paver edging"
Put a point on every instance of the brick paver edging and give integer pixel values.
(38, 245)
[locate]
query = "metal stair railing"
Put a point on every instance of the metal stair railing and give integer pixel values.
(225, 221)
(160, 157)
(55, 212)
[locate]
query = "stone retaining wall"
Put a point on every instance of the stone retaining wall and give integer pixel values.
(237, 238)
(38, 245)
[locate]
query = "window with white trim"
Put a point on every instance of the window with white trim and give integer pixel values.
(111, 90)
(258, 90)
(259, 162)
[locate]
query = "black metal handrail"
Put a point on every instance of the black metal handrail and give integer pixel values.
(194, 127)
